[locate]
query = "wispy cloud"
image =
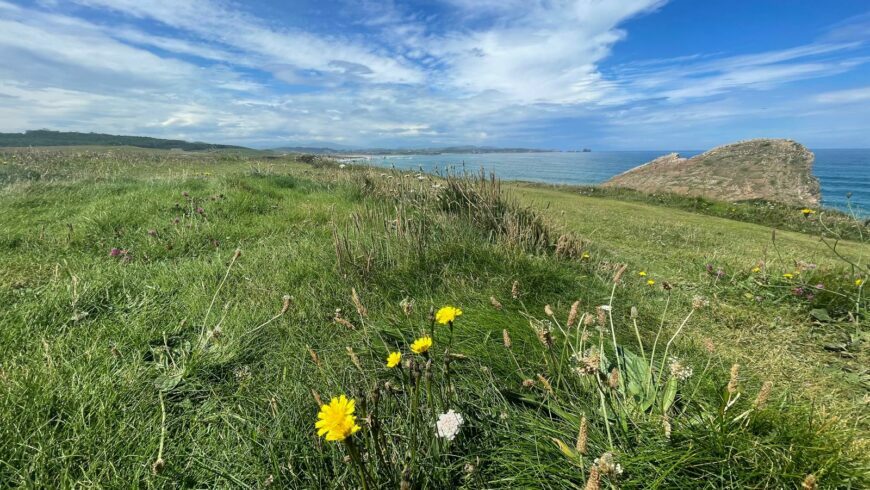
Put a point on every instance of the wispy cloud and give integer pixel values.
(466, 72)
(848, 96)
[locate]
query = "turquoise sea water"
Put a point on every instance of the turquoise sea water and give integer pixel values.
(839, 171)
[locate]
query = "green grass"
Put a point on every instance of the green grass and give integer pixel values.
(827, 222)
(175, 343)
(677, 246)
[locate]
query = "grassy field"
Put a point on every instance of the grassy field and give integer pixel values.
(677, 246)
(178, 320)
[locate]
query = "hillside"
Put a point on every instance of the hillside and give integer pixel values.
(767, 169)
(179, 320)
(43, 137)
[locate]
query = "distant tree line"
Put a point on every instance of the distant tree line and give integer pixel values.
(44, 137)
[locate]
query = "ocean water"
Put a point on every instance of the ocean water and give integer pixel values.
(839, 171)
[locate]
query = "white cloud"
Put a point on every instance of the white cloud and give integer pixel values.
(845, 96)
(214, 22)
(485, 70)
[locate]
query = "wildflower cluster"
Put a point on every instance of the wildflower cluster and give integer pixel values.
(426, 411)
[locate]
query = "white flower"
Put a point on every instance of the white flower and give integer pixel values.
(448, 424)
(342, 166)
(605, 307)
(680, 370)
(607, 464)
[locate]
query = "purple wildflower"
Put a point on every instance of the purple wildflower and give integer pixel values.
(114, 252)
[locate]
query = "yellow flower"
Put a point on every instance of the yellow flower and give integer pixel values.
(788, 275)
(642, 273)
(585, 256)
(421, 345)
(394, 359)
(650, 282)
(859, 282)
(807, 211)
(447, 314)
(756, 270)
(336, 421)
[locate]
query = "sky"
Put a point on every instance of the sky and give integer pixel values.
(554, 74)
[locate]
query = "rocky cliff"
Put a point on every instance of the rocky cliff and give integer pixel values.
(770, 169)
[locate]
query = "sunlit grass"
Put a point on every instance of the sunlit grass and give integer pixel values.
(179, 361)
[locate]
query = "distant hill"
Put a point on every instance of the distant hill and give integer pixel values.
(770, 169)
(407, 151)
(315, 150)
(44, 137)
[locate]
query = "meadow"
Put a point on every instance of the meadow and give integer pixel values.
(175, 319)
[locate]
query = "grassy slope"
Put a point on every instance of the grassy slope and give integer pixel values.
(676, 241)
(676, 246)
(94, 346)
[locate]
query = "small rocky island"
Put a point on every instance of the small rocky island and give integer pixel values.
(776, 170)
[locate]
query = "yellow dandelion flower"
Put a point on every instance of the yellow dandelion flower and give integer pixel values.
(788, 275)
(807, 211)
(650, 282)
(421, 345)
(394, 359)
(585, 256)
(756, 270)
(336, 421)
(859, 282)
(447, 314)
(642, 273)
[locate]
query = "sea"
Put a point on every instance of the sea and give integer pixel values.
(844, 174)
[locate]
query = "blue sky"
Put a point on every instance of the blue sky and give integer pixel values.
(562, 74)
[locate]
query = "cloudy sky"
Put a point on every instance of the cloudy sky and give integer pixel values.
(562, 74)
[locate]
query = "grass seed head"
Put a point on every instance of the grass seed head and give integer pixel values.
(354, 358)
(545, 336)
(506, 338)
(572, 314)
(495, 303)
(763, 395)
(545, 383)
(313, 355)
(709, 346)
(732, 381)
(601, 316)
(515, 290)
(594, 480)
(360, 308)
(588, 320)
(619, 273)
(316, 396)
(582, 437)
(810, 483)
(613, 379)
